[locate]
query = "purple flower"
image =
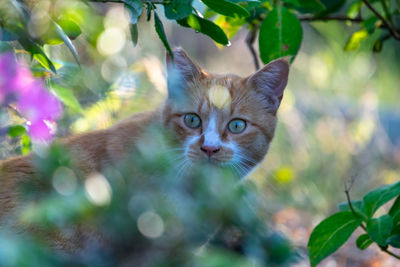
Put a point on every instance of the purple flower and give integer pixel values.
(32, 100)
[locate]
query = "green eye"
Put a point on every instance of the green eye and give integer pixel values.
(192, 120)
(237, 126)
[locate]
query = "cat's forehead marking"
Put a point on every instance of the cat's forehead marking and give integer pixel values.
(219, 96)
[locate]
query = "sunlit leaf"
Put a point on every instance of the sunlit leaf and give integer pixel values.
(280, 35)
(71, 29)
(379, 229)
(355, 40)
(64, 37)
(25, 144)
(227, 8)
(37, 53)
(229, 25)
(331, 234)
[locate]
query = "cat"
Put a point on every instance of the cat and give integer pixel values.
(217, 119)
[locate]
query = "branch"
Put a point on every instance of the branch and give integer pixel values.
(384, 249)
(333, 17)
(250, 38)
(384, 21)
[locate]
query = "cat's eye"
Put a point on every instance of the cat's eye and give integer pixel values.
(236, 126)
(192, 120)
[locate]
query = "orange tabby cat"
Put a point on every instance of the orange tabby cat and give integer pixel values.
(221, 119)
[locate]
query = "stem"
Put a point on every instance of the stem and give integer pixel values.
(387, 13)
(333, 17)
(390, 253)
(384, 21)
(384, 249)
(352, 209)
(250, 38)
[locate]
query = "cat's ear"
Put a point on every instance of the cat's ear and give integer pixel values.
(187, 69)
(270, 81)
(180, 71)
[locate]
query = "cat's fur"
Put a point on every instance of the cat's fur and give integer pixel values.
(216, 99)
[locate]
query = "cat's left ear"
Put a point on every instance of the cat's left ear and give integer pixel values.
(270, 81)
(180, 71)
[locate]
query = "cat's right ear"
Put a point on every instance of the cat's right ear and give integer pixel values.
(270, 82)
(180, 71)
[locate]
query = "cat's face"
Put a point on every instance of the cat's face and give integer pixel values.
(223, 119)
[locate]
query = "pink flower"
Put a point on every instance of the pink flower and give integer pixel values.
(32, 99)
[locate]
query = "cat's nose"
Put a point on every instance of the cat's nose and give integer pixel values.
(210, 150)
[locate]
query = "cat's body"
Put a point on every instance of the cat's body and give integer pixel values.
(221, 119)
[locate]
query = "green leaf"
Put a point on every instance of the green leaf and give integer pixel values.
(25, 144)
(363, 241)
(16, 130)
(37, 53)
(135, 9)
(134, 33)
(280, 35)
(71, 29)
(355, 40)
(67, 97)
(178, 9)
(379, 229)
(161, 33)
(396, 217)
(371, 24)
(394, 241)
(206, 27)
(330, 234)
(64, 37)
(306, 6)
(229, 25)
(376, 198)
(395, 206)
(356, 204)
(227, 8)
(149, 9)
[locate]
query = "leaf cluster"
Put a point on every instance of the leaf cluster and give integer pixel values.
(384, 230)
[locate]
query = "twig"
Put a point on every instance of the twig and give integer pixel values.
(250, 38)
(390, 253)
(9, 106)
(347, 192)
(333, 17)
(384, 21)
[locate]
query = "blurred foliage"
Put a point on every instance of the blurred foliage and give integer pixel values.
(141, 213)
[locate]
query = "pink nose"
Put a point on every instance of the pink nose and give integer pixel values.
(209, 150)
